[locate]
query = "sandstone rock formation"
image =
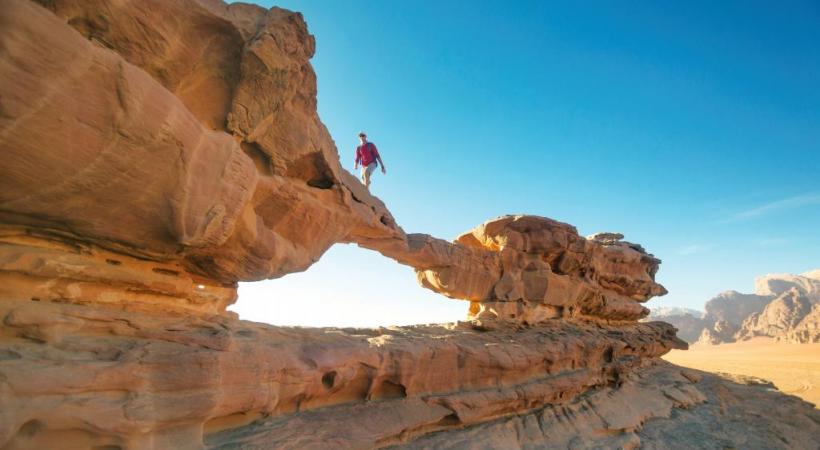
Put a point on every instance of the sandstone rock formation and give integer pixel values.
(780, 317)
(787, 300)
(528, 269)
(689, 322)
(774, 285)
(808, 329)
(734, 307)
(813, 274)
(720, 332)
(158, 152)
(777, 309)
(182, 147)
(135, 379)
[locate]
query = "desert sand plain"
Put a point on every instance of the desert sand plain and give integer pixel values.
(793, 368)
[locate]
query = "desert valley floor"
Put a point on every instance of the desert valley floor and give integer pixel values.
(793, 368)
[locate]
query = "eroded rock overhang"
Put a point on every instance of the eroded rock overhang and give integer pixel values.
(158, 152)
(180, 157)
(179, 132)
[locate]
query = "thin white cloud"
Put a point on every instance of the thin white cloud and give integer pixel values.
(694, 249)
(778, 205)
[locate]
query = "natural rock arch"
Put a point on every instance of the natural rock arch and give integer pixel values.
(131, 203)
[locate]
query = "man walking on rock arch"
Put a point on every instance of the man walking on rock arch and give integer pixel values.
(367, 155)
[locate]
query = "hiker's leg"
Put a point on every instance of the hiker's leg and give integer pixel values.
(368, 172)
(365, 176)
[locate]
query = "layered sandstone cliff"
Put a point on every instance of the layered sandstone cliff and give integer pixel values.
(158, 152)
(783, 307)
(783, 318)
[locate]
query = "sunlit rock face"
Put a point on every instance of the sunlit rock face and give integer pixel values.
(792, 316)
(528, 269)
(783, 307)
(194, 142)
(807, 284)
(158, 152)
(718, 333)
(177, 131)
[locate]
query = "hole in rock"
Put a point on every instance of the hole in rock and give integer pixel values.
(169, 272)
(328, 379)
(321, 183)
(313, 168)
(388, 389)
(113, 262)
(348, 287)
(260, 159)
(31, 428)
(449, 420)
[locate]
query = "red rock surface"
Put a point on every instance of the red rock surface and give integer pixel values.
(158, 152)
(106, 101)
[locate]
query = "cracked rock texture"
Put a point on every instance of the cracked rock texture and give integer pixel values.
(158, 152)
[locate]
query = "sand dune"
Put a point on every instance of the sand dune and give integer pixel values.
(793, 368)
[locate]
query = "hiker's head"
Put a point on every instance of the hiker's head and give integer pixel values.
(362, 137)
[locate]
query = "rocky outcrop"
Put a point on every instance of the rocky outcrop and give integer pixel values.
(808, 329)
(658, 407)
(136, 379)
(663, 407)
(777, 309)
(734, 307)
(193, 141)
(158, 152)
(120, 378)
(720, 332)
(689, 322)
(528, 269)
(807, 284)
(240, 196)
(786, 313)
(813, 274)
(780, 317)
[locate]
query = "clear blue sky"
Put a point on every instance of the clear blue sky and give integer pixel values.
(693, 129)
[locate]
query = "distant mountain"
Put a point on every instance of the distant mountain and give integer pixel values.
(782, 317)
(807, 283)
(815, 274)
(784, 306)
(665, 311)
(734, 307)
(720, 332)
(689, 322)
(808, 330)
